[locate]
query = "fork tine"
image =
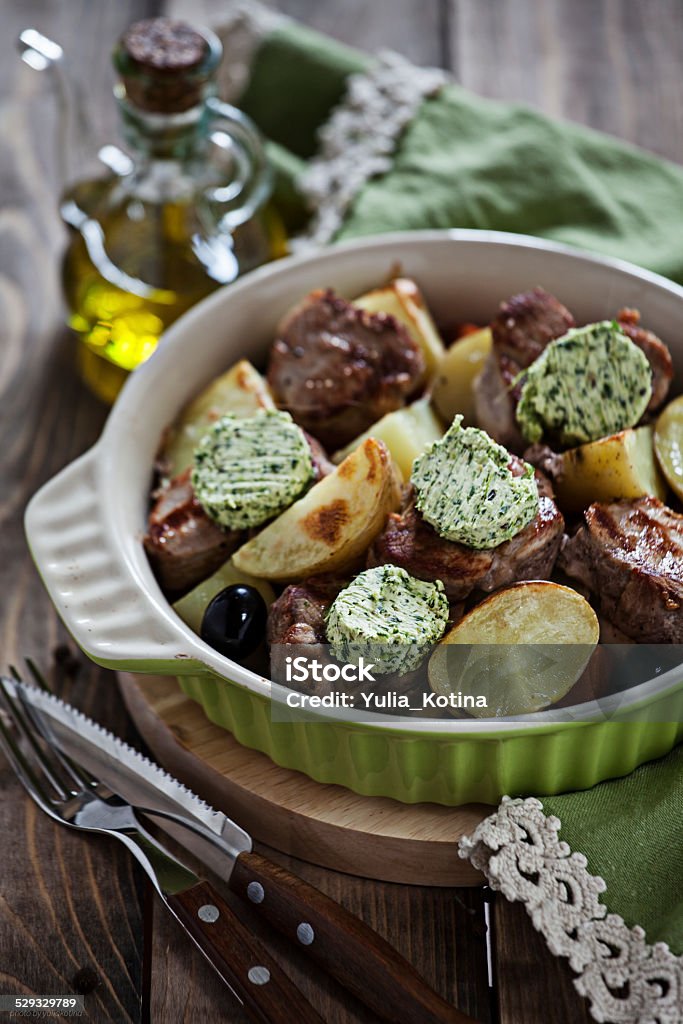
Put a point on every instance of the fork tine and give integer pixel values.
(38, 677)
(49, 766)
(23, 770)
(78, 774)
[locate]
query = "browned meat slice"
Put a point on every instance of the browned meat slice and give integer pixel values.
(298, 615)
(630, 555)
(296, 627)
(656, 351)
(531, 554)
(408, 541)
(182, 543)
(321, 464)
(543, 481)
(524, 326)
(548, 466)
(527, 323)
(337, 369)
(495, 405)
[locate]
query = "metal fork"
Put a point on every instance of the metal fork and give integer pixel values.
(71, 797)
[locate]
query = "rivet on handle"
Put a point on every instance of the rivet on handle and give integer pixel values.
(209, 913)
(305, 933)
(258, 975)
(255, 892)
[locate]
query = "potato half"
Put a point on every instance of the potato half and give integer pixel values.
(520, 650)
(241, 391)
(332, 525)
(453, 390)
(406, 433)
(669, 444)
(403, 299)
(620, 466)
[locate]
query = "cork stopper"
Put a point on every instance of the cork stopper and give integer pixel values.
(165, 64)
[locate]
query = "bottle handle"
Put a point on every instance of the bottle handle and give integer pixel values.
(253, 181)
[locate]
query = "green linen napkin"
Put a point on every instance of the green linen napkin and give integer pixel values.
(464, 161)
(631, 832)
(472, 163)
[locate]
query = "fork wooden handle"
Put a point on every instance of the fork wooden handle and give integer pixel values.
(360, 959)
(268, 995)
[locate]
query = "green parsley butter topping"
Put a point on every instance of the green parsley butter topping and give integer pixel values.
(590, 383)
(467, 492)
(247, 470)
(387, 617)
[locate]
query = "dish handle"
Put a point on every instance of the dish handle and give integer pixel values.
(103, 604)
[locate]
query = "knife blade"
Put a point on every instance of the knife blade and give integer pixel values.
(360, 959)
(209, 834)
(70, 797)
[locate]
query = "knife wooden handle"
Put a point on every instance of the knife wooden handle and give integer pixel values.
(268, 995)
(360, 959)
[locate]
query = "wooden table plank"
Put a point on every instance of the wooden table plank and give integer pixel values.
(441, 931)
(614, 65)
(70, 915)
(532, 986)
(411, 27)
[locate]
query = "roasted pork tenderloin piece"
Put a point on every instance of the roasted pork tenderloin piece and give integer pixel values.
(543, 480)
(527, 323)
(630, 556)
(524, 327)
(183, 545)
(296, 628)
(547, 463)
(338, 369)
(410, 542)
(298, 615)
(321, 463)
(654, 349)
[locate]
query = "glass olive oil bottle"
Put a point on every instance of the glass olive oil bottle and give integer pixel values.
(187, 210)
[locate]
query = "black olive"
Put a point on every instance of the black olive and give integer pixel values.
(234, 622)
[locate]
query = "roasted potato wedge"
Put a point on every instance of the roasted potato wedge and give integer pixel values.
(192, 606)
(241, 390)
(453, 391)
(520, 650)
(620, 466)
(406, 433)
(332, 525)
(669, 444)
(403, 299)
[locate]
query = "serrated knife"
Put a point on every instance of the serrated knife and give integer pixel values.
(74, 798)
(347, 949)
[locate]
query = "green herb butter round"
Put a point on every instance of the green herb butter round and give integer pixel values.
(465, 489)
(590, 383)
(247, 470)
(388, 618)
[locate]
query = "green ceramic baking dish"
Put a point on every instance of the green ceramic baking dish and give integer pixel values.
(85, 530)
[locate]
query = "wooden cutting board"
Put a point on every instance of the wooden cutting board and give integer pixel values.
(374, 837)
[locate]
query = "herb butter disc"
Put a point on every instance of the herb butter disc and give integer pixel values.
(467, 492)
(590, 383)
(387, 617)
(247, 470)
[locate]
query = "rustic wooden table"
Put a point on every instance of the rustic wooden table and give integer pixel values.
(75, 914)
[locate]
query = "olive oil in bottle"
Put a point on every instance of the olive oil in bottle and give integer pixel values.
(187, 210)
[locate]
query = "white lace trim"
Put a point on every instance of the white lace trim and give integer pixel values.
(626, 980)
(358, 140)
(243, 26)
